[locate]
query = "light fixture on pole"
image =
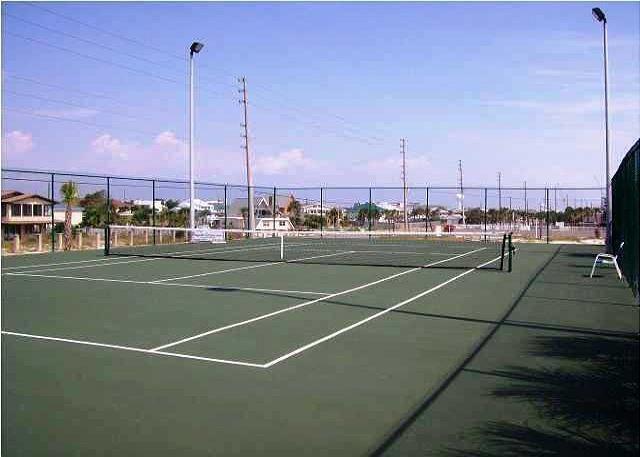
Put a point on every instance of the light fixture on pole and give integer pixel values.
(193, 49)
(599, 16)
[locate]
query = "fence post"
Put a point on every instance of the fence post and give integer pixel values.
(274, 207)
(485, 213)
(53, 220)
(16, 243)
(153, 208)
(321, 212)
(79, 240)
(39, 242)
(426, 211)
(547, 212)
(369, 208)
(225, 210)
(108, 200)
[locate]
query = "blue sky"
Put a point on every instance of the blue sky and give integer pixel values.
(507, 87)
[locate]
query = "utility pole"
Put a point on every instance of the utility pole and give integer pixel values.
(251, 216)
(461, 194)
(499, 196)
(403, 175)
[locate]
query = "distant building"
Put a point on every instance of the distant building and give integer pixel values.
(158, 205)
(281, 223)
(59, 212)
(314, 209)
(212, 206)
(25, 213)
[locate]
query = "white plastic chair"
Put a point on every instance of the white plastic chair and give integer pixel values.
(608, 259)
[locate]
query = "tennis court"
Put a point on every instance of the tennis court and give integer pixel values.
(174, 352)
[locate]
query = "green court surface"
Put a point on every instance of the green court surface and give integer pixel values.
(165, 356)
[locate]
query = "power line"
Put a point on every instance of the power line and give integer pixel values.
(78, 121)
(75, 105)
(162, 51)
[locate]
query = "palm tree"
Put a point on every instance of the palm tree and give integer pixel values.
(333, 216)
(69, 191)
(294, 209)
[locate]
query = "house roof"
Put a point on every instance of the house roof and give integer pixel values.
(13, 196)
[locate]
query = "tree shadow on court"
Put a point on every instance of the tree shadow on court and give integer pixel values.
(586, 399)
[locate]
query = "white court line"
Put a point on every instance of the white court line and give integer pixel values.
(134, 349)
(279, 262)
(307, 303)
(158, 257)
(152, 283)
(374, 316)
(53, 264)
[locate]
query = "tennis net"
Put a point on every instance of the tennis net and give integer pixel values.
(486, 250)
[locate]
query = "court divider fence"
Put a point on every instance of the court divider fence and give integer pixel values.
(537, 214)
(625, 189)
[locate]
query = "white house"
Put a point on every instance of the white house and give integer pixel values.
(314, 209)
(59, 214)
(158, 205)
(281, 224)
(213, 206)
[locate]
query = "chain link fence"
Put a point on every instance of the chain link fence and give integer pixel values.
(545, 215)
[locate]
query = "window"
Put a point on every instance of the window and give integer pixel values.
(282, 223)
(16, 210)
(47, 210)
(27, 210)
(4, 210)
(37, 210)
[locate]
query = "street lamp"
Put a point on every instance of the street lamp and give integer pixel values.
(193, 49)
(599, 16)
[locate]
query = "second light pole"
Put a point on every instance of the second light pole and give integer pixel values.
(194, 49)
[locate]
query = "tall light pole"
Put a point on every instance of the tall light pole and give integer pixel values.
(193, 49)
(599, 16)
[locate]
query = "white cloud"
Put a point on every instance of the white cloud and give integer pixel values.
(289, 161)
(167, 139)
(110, 145)
(18, 142)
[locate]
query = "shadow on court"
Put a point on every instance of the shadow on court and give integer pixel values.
(589, 406)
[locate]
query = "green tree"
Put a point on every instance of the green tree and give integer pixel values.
(69, 192)
(294, 210)
(94, 209)
(333, 216)
(474, 216)
(141, 215)
(313, 221)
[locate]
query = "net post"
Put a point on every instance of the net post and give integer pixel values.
(281, 246)
(510, 252)
(107, 239)
(53, 220)
(504, 241)
(153, 208)
(274, 207)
